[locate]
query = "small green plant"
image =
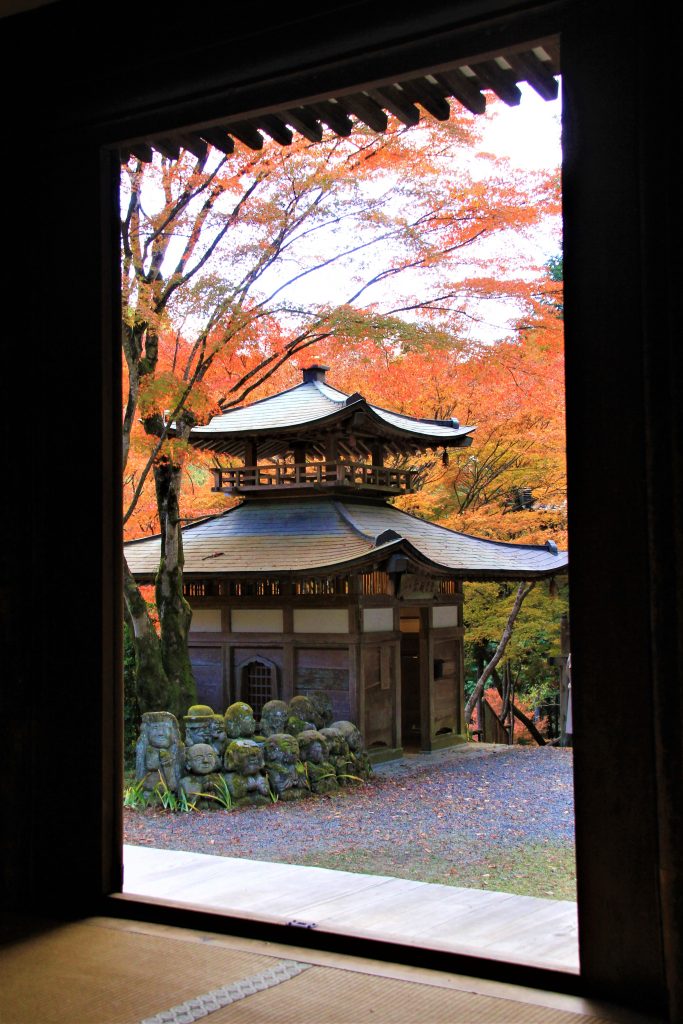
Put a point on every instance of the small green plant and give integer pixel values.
(166, 797)
(221, 794)
(271, 792)
(302, 769)
(135, 797)
(185, 805)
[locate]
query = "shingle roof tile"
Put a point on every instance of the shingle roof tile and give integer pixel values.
(312, 534)
(315, 402)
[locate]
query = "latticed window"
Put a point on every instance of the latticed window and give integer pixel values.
(254, 588)
(314, 586)
(195, 590)
(257, 685)
(375, 583)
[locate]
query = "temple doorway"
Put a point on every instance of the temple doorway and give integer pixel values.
(411, 628)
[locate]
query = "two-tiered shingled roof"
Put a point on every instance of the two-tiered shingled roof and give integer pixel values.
(341, 531)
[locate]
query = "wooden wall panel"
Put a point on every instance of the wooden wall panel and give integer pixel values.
(207, 666)
(380, 695)
(325, 669)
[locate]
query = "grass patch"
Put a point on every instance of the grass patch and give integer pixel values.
(541, 870)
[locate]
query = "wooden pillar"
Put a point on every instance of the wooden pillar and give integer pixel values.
(331, 448)
(288, 650)
(250, 459)
(250, 452)
(398, 724)
(299, 452)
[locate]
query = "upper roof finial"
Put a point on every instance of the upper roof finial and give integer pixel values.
(315, 372)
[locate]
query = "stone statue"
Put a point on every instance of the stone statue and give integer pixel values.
(323, 708)
(273, 717)
(203, 726)
(360, 760)
(340, 756)
(159, 751)
(203, 767)
(239, 721)
(322, 776)
(286, 773)
(220, 740)
(302, 715)
(245, 777)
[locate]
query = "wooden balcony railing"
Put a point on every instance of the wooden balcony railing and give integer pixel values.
(281, 476)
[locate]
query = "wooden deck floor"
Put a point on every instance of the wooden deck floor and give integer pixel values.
(519, 929)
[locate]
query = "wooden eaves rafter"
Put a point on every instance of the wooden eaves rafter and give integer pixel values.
(537, 63)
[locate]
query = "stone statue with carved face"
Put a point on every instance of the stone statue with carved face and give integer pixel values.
(203, 768)
(203, 726)
(286, 772)
(302, 715)
(340, 756)
(239, 721)
(245, 776)
(159, 751)
(273, 717)
(359, 758)
(315, 754)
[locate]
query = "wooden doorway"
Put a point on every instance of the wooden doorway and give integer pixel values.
(411, 719)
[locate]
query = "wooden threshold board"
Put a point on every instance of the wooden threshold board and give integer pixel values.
(518, 929)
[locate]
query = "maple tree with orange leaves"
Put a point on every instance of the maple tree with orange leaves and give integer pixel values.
(221, 257)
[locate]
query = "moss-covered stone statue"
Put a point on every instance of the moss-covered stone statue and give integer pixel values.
(360, 760)
(322, 776)
(245, 776)
(203, 726)
(340, 757)
(203, 767)
(274, 717)
(239, 721)
(302, 715)
(323, 708)
(159, 751)
(286, 774)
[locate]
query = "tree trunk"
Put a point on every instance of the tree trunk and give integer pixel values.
(528, 722)
(540, 739)
(175, 613)
(150, 674)
(500, 649)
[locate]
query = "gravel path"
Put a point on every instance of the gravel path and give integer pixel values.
(504, 820)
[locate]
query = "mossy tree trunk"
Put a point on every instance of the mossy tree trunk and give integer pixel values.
(150, 674)
(175, 613)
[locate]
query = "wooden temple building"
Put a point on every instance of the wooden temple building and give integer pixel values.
(316, 582)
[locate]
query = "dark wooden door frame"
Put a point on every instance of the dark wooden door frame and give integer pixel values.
(623, 376)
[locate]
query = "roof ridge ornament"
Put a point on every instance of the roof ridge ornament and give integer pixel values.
(314, 372)
(355, 397)
(386, 537)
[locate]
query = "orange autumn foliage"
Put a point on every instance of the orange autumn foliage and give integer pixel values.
(407, 348)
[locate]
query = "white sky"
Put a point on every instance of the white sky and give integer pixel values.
(528, 134)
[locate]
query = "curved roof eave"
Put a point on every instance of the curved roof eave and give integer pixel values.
(206, 437)
(355, 536)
